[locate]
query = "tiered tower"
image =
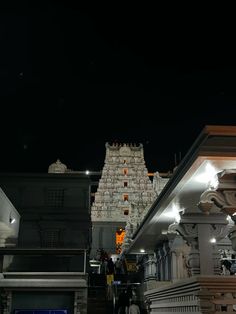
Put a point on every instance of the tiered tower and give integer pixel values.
(124, 191)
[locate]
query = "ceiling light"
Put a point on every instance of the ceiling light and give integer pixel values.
(12, 220)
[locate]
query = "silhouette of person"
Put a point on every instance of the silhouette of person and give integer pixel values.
(133, 308)
(110, 267)
(123, 302)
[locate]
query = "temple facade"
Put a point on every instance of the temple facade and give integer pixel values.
(186, 245)
(124, 194)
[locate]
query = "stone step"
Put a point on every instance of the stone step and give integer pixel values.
(99, 306)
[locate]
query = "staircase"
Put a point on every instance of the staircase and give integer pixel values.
(97, 293)
(97, 301)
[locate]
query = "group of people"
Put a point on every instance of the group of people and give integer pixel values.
(133, 308)
(126, 303)
(110, 267)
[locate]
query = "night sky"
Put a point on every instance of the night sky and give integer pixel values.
(73, 79)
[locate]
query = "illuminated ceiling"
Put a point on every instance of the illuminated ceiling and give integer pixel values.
(212, 152)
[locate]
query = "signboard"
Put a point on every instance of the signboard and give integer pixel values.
(131, 266)
(116, 282)
(41, 312)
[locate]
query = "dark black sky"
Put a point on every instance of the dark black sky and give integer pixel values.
(73, 79)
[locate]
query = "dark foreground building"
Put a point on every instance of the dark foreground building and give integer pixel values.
(45, 268)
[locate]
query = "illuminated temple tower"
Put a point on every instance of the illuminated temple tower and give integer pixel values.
(125, 192)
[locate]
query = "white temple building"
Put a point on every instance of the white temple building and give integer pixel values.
(125, 193)
(186, 245)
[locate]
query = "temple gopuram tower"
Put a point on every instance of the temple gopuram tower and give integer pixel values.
(124, 191)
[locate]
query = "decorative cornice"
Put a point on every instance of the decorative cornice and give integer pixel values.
(224, 197)
(209, 198)
(116, 145)
(224, 200)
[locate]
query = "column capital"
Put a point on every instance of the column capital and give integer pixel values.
(223, 197)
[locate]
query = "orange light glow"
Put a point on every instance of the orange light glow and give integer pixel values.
(120, 234)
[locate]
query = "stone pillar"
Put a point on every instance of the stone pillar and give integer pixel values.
(163, 262)
(189, 232)
(160, 264)
(222, 198)
(178, 251)
(199, 230)
(150, 268)
(167, 260)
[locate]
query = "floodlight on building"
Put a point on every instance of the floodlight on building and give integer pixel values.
(174, 213)
(87, 172)
(209, 176)
(213, 240)
(142, 251)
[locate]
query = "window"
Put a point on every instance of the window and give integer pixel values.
(126, 211)
(125, 171)
(50, 238)
(55, 198)
(125, 197)
(125, 184)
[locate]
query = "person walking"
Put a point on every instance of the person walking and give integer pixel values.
(118, 266)
(110, 267)
(133, 308)
(123, 302)
(110, 278)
